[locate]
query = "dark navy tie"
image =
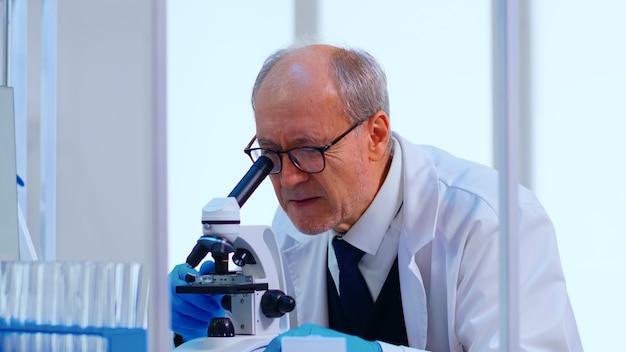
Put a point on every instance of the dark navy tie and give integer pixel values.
(354, 295)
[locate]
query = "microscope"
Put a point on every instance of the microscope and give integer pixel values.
(253, 295)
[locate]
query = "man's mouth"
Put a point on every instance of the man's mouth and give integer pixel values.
(303, 201)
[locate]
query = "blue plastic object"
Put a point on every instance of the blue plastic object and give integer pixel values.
(353, 343)
(118, 339)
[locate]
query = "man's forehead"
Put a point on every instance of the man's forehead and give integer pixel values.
(295, 86)
(293, 71)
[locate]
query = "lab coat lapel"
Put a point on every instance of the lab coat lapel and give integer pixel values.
(306, 263)
(420, 199)
(419, 214)
(413, 299)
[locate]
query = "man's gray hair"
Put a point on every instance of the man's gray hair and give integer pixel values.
(360, 80)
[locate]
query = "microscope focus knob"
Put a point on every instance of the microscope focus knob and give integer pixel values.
(275, 303)
(221, 327)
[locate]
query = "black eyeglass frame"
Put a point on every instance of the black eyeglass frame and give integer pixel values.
(293, 160)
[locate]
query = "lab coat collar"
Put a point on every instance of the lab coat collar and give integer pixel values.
(419, 218)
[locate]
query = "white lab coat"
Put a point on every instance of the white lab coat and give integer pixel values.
(448, 262)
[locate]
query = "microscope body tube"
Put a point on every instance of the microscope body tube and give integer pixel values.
(251, 180)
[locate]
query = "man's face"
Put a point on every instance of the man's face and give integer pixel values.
(297, 105)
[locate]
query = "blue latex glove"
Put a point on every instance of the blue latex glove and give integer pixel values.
(353, 343)
(192, 312)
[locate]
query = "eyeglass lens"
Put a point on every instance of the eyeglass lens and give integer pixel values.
(306, 159)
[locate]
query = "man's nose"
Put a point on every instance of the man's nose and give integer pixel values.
(290, 175)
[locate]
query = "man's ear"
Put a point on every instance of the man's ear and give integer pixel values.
(379, 135)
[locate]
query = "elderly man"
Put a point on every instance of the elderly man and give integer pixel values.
(392, 245)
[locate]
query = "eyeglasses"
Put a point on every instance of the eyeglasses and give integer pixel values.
(307, 159)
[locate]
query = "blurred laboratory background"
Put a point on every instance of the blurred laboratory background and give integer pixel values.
(131, 115)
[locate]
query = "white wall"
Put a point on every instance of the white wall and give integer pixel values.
(437, 56)
(215, 50)
(578, 85)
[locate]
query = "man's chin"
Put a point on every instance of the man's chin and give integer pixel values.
(312, 219)
(310, 231)
(311, 226)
